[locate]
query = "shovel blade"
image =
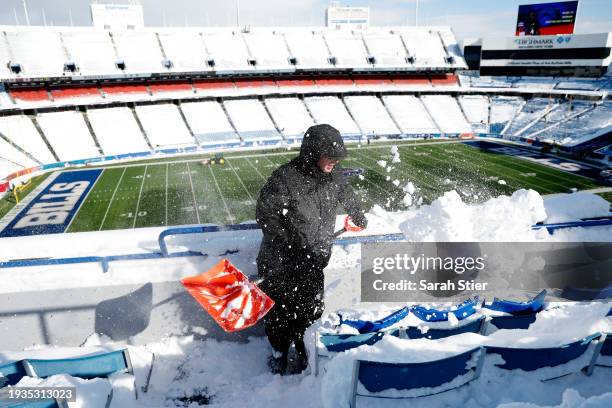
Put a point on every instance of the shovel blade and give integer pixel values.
(228, 296)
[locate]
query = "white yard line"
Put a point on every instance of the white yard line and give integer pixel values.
(195, 203)
(83, 202)
(167, 165)
(256, 169)
(111, 200)
(229, 214)
(241, 183)
(144, 176)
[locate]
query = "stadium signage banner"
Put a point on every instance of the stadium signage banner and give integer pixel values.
(430, 271)
(52, 210)
(546, 18)
(559, 50)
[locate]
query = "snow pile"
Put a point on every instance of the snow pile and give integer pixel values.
(571, 399)
(89, 393)
(409, 196)
(571, 207)
(500, 219)
(395, 155)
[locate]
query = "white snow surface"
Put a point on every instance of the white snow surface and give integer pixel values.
(233, 372)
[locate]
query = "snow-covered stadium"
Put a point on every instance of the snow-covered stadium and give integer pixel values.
(132, 159)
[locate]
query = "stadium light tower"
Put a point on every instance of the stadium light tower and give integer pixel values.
(237, 13)
(25, 11)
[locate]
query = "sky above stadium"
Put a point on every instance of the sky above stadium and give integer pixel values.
(469, 18)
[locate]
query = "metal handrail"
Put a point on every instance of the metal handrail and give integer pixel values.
(198, 229)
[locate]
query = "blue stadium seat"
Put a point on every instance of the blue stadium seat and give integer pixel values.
(519, 308)
(430, 315)
(520, 314)
(36, 404)
(513, 322)
(11, 373)
(99, 365)
(531, 359)
(341, 342)
(418, 379)
(477, 326)
(336, 343)
(365, 326)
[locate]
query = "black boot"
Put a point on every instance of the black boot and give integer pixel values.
(278, 362)
(299, 362)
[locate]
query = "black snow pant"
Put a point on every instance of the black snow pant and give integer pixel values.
(298, 295)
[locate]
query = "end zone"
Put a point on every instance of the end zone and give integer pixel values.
(52, 210)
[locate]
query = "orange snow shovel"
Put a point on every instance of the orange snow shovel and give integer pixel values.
(228, 296)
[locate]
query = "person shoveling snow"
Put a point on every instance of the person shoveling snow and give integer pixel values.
(296, 211)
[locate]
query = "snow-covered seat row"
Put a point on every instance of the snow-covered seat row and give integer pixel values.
(532, 111)
(511, 315)
(12, 155)
(503, 110)
(410, 114)
(39, 52)
(564, 112)
(532, 359)
(371, 115)
(117, 131)
(446, 113)
(92, 51)
(476, 109)
(251, 120)
(68, 135)
(138, 50)
(209, 123)
(87, 367)
(52, 52)
(290, 115)
(473, 326)
(410, 380)
(374, 379)
(164, 126)
(331, 110)
(582, 127)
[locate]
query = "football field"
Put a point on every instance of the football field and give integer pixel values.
(186, 191)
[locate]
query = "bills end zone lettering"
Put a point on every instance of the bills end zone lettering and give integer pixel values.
(54, 207)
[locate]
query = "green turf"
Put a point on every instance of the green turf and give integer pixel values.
(8, 201)
(184, 191)
(607, 196)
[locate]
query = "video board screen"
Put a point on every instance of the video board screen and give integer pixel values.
(546, 18)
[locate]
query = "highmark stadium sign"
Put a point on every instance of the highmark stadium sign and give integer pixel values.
(421, 272)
